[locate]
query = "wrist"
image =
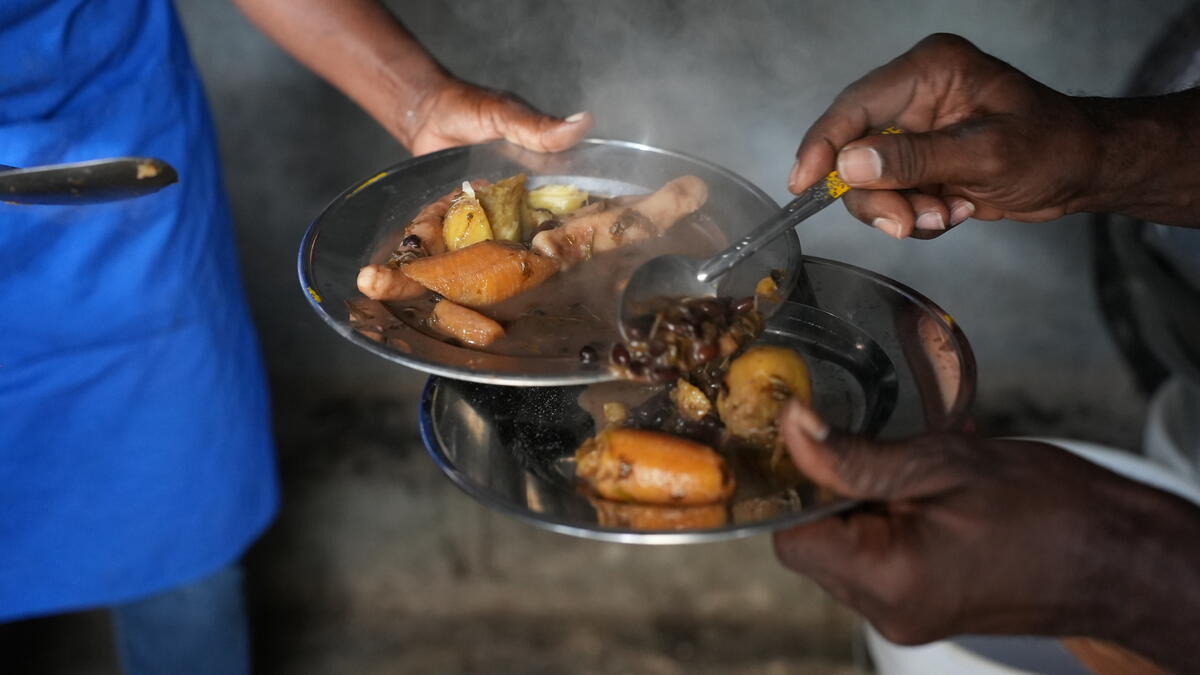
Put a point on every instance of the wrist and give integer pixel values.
(1147, 157)
(411, 100)
(1148, 575)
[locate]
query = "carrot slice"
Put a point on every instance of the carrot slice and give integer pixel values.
(465, 324)
(482, 274)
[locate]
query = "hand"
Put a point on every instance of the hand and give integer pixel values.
(983, 139)
(457, 113)
(992, 536)
(360, 47)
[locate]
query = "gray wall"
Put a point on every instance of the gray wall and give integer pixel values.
(736, 83)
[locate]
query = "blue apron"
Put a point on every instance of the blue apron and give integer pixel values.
(135, 437)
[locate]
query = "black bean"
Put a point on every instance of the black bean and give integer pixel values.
(411, 241)
(710, 308)
(637, 368)
(704, 352)
(620, 355)
(588, 354)
(663, 374)
(657, 347)
(681, 328)
(547, 225)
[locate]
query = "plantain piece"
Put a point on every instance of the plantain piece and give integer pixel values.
(557, 199)
(466, 222)
(690, 401)
(504, 202)
(650, 467)
(756, 386)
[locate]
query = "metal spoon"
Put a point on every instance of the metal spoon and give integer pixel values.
(675, 276)
(99, 180)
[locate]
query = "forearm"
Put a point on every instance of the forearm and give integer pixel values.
(359, 47)
(1149, 165)
(1153, 584)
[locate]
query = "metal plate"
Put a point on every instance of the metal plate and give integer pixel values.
(364, 223)
(885, 361)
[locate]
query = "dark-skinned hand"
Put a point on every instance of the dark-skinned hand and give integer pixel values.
(968, 535)
(458, 113)
(982, 139)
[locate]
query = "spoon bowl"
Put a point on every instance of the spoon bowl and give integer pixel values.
(672, 276)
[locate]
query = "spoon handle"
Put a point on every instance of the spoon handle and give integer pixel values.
(100, 180)
(808, 203)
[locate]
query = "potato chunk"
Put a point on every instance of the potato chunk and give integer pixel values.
(557, 199)
(690, 401)
(756, 386)
(466, 222)
(650, 467)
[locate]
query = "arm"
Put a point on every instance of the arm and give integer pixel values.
(363, 50)
(988, 141)
(997, 537)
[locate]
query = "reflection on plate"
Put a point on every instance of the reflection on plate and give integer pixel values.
(364, 224)
(885, 362)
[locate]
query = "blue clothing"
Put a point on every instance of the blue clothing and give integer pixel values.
(197, 629)
(135, 437)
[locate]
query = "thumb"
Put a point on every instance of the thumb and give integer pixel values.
(965, 153)
(530, 129)
(857, 467)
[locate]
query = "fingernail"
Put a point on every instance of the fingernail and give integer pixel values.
(577, 117)
(930, 220)
(891, 227)
(860, 165)
(960, 211)
(794, 175)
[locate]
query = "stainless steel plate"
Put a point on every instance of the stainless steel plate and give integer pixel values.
(364, 223)
(885, 360)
